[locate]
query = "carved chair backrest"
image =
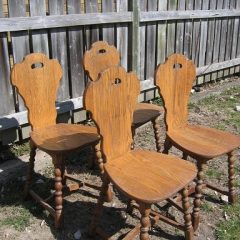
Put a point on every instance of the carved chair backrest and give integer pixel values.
(112, 99)
(174, 79)
(36, 79)
(100, 57)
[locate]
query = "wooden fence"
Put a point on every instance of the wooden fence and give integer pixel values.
(144, 31)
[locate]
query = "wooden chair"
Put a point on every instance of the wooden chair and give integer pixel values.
(144, 176)
(100, 57)
(174, 79)
(37, 79)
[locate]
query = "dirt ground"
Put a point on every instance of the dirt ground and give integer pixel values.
(78, 207)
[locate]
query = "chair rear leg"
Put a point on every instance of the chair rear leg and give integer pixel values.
(167, 145)
(156, 129)
(185, 156)
(30, 169)
(108, 194)
(98, 210)
(57, 161)
(232, 193)
(145, 210)
(198, 195)
(187, 215)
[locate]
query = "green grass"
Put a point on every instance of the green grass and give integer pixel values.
(20, 218)
(214, 174)
(206, 207)
(230, 230)
(20, 149)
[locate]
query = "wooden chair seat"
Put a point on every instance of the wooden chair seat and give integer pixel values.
(204, 142)
(64, 137)
(146, 112)
(163, 175)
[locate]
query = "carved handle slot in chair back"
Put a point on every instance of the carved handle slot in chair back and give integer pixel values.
(36, 79)
(174, 79)
(100, 57)
(112, 100)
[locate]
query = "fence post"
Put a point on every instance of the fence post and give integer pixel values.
(136, 37)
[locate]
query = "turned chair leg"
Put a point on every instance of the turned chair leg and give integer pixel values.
(156, 129)
(58, 190)
(187, 215)
(30, 169)
(108, 194)
(167, 145)
(98, 210)
(198, 196)
(145, 210)
(232, 193)
(185, 156)
(133, 135)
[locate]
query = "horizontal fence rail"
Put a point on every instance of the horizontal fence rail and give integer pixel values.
(144, 32)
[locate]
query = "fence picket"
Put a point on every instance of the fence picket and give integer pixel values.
(76, 49)
(39, 37)
(59, 48)
(180, 29)
(6, 94)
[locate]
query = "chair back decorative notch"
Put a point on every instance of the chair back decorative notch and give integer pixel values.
(37, 79)
(174, 79)
(99, 57)
(117, 105)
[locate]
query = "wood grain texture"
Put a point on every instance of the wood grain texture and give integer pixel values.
(38, 87)
(198, 141)
(163, 175)
(113, 117)
(99, 57)
(175, 78)
(64, 137)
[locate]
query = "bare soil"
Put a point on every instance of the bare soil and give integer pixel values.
(79, 206)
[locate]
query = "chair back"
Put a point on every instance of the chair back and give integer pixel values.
(100, 57)
(37, 79)
(174, 79)
(112, 100)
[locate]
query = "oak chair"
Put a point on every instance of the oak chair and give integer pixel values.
(174, 79)
(144, 176)
(101, 56)
(37, 79)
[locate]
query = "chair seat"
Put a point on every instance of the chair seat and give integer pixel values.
(149, 176)
(204, 142)
(146, 112)
(64, 137)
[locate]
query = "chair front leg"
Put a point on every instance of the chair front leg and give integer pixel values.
(156, 129)
(30, 168)
(145, 210)
(98, 210)
(167, 145)
(108, 194)
(198, 195)
(231, 193)
(187, 215)
(57, 161)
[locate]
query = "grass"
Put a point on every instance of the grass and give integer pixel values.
(214, 174)
(20, 218)
(206, 207)
(230, 230)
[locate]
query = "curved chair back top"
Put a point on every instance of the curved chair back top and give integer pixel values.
(37, 79)
(112, 100)
(174, 79)
(100, 57)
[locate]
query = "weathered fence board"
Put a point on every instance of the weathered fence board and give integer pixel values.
(76, 49)
(108, 30)
(59, 48)
(39, 37)
(122, 34)
(162, 34)
(20, 40)
(6, 94)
